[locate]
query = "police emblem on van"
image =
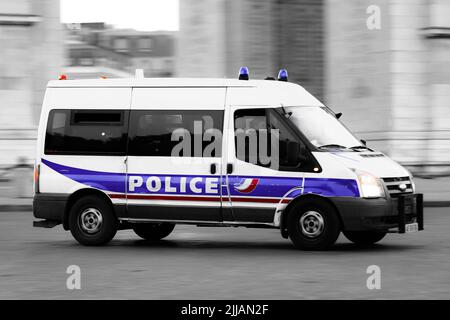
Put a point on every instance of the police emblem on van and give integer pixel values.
(246, 185)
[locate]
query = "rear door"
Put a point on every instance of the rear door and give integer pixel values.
(175, 154)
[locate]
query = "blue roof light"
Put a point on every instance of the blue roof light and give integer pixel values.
(243, 73)
(283, 75)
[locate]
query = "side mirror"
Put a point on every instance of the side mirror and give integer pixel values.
(338, 115)
(364, 142)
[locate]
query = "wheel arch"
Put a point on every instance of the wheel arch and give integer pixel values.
(74, 197)
(304, 198)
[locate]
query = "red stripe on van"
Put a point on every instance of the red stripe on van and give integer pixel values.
(162, 197)
(195, 198)
(259, 199)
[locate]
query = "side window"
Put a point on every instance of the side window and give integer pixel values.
(181, 133)
(290, 148)
(86, 132)
(249, 126)
(262, 138)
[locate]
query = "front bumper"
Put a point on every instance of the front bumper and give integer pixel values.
(359, 214)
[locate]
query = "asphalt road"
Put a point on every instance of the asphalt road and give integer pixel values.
(221, 263)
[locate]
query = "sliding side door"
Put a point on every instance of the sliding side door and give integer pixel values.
(174, 154)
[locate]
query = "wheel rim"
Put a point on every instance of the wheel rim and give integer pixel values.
(91, 220)
(312, 224)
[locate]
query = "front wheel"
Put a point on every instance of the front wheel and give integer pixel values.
(153, 231)
(364, 238)
(313, 225)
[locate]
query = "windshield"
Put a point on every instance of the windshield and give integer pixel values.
(321, 127)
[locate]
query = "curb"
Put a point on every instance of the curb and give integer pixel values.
(29, 207)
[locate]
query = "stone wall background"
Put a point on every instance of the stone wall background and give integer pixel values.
(31, 54)
(393, 84)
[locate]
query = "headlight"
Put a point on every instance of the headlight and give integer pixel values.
(371, 186)
(411, 178)
(413, 185)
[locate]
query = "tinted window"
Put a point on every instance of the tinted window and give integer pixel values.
(183, 133)
(249, 125)
(93, 117)
(256, 133)
(288, 141)
(86, 132)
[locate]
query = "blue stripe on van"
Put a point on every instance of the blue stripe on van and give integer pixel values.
(332, 187)
(107, 181)
(276, 187)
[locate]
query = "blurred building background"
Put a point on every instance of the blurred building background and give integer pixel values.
(392, 84)
(216, 37)
(96, 49)
(31, 53)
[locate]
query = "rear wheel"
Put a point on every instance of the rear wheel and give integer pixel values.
(364, 238)
(153, 231)
(313, 225)
(92, 221)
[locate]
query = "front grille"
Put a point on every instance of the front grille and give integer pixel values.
(398, 186)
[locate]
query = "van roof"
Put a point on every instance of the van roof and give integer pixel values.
(264, 92)
(165, 82)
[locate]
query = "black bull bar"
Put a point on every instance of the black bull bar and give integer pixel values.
(410, 204)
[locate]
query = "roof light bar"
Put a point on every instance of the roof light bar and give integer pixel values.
(243, 73)
(283, 75)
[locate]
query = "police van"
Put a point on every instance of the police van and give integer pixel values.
(146, 154)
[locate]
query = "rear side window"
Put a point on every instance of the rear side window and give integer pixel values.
(184, 133)
(86, 132)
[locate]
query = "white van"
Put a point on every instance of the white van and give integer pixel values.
(147, 154)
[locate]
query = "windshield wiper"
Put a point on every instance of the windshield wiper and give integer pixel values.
(360, 148)
(330, 146)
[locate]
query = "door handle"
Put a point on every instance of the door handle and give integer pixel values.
(213, 168)
(229, 168)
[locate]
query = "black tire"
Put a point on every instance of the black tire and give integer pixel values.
(92, 234)
(153, 231)
(364, 238)
(326, 227)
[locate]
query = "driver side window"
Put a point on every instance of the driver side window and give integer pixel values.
(264, 139)
(290, 147)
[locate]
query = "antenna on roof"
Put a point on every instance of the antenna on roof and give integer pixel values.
(139, 74)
